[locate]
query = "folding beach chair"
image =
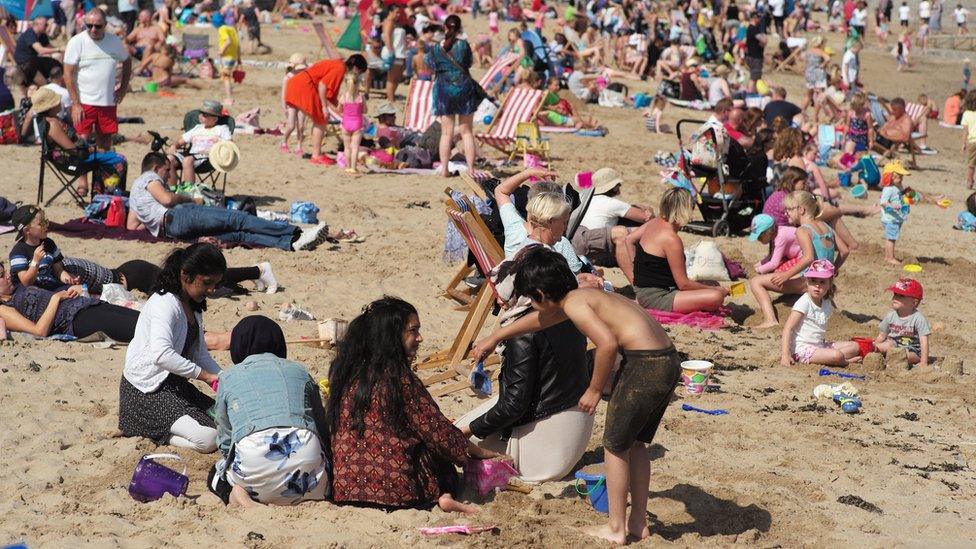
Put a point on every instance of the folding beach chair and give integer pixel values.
(498, 72)
(207, 174)
(520, 105)
(328, 49)
(67, 169)
(196, 49)
(419, 111)
(487, 253)
(791, 60)
(528, 140)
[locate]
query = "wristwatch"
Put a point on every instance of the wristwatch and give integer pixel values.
(32, 264)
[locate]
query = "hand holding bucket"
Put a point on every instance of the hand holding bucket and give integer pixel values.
(151, 480)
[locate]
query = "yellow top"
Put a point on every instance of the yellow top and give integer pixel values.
(227, 35)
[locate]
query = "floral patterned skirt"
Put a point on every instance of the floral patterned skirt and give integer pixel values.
(281, 466)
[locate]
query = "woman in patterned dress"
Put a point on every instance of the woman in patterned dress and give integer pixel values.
(455, 92)
(391, 445)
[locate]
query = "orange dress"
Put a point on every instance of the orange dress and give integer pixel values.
(302, 92)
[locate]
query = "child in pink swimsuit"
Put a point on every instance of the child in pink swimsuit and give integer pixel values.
(353, 104)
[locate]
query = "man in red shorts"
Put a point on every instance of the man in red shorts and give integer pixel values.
(90, 62)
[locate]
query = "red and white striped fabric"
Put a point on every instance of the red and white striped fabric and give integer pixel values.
(915, 111)
(485, 263)
(419, 113)
(520, 105)
(501, 66)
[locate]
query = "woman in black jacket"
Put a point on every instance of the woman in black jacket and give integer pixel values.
(535, 418)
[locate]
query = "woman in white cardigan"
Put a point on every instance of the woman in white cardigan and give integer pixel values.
(156, 398)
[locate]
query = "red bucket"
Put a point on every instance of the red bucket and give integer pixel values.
(238, 76)
(865, 345)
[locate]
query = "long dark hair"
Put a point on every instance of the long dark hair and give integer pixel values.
(452, 28)
(371, 358)
(200, 259)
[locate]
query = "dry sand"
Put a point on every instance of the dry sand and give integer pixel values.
(770, 473)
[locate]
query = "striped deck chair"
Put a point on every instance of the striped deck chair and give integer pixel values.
(419, 112)
(520, 105)
(500, 68)
(328, 49)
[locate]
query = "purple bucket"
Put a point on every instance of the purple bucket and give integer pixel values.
(151, 480)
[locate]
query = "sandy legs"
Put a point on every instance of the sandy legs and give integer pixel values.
(628, 472)
(761, 286)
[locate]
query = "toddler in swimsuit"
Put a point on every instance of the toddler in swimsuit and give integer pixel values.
(353, 105)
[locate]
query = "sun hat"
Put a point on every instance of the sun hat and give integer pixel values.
(895, 166)
(386, 108)
(45, 99)
(297, 61)
(820, 268)
(224, 156)
(23, 216)
(211, 107)
(605, 179)
(908, 287)
(760, 224)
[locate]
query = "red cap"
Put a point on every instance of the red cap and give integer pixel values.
(908, 287)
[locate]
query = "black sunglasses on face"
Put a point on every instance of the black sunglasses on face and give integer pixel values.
(93, 26)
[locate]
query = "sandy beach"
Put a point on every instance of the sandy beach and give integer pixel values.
(781, 469)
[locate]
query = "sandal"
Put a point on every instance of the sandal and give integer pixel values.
(284, 148)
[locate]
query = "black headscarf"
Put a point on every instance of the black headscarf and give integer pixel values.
(254, 335)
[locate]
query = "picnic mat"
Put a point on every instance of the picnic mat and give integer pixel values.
(82, 228)
(697, 319)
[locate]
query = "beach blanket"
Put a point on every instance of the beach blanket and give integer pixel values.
(698, 319)
(82, 228)
(698, 105)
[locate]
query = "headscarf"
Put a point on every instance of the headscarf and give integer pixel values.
(254, 335)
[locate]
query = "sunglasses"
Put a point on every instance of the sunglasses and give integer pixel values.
(94, 26)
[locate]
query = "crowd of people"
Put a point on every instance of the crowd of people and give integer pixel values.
(377, 437)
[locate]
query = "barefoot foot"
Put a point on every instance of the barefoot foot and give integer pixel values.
(450, 505)
(239, 498)
(603, 531)
(637, 531)
(892, 261)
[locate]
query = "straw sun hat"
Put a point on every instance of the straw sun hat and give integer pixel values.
(224, 156)
(45, 99)
(297, 62)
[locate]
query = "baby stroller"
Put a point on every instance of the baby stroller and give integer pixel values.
(724, 209)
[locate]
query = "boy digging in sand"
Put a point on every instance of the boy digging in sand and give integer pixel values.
(642, 387)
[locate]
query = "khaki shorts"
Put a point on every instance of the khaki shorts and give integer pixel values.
(971, 154)
(596, 245)
(641, 393)
(659, 299)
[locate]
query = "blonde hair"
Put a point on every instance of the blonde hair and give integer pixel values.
(351, 84)
(811, 203)
(545, 207)
(676, 206)
(859, 101)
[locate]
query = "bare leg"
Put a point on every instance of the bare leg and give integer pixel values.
(217, 341)
(188, 174)
(845, 234)
(619, 236)
(832, 357)
(318, 132)
(447, 133)
(228, 93)
(640, 480)
(889, 251)
(761, 285)
(239, 498)
(467, 139)
(688, 301)
(618, 484)
(347, 149)
(448, 504)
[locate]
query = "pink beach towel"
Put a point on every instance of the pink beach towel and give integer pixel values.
(698, 319)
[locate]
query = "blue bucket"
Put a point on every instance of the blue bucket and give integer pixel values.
(844, 178)
(859, 191)
(596, 490)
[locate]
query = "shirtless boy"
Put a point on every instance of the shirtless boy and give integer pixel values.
(161, 64)
(146, 38)
(642, 386)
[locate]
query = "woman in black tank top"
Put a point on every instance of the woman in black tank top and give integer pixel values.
(658, 272)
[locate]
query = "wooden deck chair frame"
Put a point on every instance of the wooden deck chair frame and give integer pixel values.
(791, 63)
(328, 49)
(503, 66)
(488, 253)
(489, 138)
(418, 117)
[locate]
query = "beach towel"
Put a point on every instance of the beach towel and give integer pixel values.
(698, 104)
(82, 228)
(703, 320)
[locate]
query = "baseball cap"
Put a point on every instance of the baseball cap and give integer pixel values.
(908, 287)
(23, 216)
(760, 224)
(821, 268)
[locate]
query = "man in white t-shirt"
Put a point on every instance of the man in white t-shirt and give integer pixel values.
(201, 138)
(777, 9)
(90, 62)
(903, 13)
(924, 11)
(961, 14)
(599, 237)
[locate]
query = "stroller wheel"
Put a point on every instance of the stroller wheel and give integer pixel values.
(721, 228)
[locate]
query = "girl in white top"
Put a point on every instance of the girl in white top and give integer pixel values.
(156, 398)
(804, 334)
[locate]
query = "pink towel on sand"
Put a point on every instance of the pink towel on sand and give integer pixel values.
(697, 319)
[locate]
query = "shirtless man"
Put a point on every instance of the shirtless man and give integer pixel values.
(669, 64)
(146, 37)
(896, 131)
(161, 64)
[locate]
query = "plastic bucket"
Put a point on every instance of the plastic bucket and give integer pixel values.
(865, 345)
(151, 87)
(859, 191)
(151, 480)
(844, 178)
(596, 490)
(695, 375)
(737, 289)
(238, 76)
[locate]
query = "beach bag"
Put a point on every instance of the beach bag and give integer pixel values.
(642, 100)
(966, 222)
(868, 172)
(97, 210)
(8, 128)
(668, 88)
(611, 98)
(705, 262)
(304, 212)
(486, 112)
(704, 151)
(115, 216)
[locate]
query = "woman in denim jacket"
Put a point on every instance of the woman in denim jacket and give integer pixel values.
(270, 423)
